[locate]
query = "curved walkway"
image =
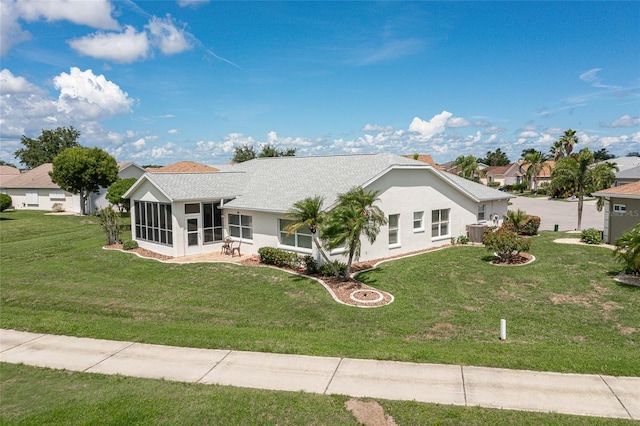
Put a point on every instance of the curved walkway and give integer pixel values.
(579, 394)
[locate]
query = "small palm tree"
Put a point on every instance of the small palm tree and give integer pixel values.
(354, 215)
(308, 213)
(537, 162)
(579, 172)
(518, 218)
(628, 249)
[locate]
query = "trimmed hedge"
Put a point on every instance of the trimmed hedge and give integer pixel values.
(278, 257)
(591, 236)
(5, 202)
(130, 245)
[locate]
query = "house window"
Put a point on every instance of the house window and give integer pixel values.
(57, 195)
(192, 208)
(31, 198)
(620, 208)
(241, 226)
(212, 222)
(153, 222)
(301, 238)
(418, 221)
(481, 212)
(394, 229)
(439, 223)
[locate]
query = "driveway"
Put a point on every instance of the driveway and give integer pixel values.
(560, 212)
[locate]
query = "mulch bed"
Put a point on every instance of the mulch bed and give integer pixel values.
(142, 252)
(628, 279)
(522, 259)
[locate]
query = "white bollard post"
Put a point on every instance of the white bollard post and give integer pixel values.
(503, 329)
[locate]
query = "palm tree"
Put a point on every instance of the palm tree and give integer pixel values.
(354, 215)
(467, 166)
(578, 172)
(308, 213)
(537, 162)
(564, 146)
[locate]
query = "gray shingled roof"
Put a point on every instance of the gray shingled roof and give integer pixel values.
(632, 173)
(198, 186)
(274, 184)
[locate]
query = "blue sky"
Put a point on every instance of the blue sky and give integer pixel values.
(163, 81)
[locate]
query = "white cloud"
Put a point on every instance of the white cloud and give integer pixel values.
(10, 84)
(594, 80)
(166, 37)
(375, 128)
(139, 144)
(89, 96)
(430, 128)
(95, 14)
(125, 47)
(389, 50)
(528, 134)
(173, 131)
(458, 122)
(626, 121)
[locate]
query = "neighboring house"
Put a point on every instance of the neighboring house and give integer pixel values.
(621, 209)
(126, 170)
(178, 214)
(626, 176)
(543, 176)
(184, 167)
(34, 189)
(511, 174)
(426, 159)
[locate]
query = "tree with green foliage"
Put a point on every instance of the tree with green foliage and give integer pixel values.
(537, 162)
(633, 154)
(45, 148)
(467, 166)
(582, 176)
(269, 150)
(5, 202)
(563, 147)
(628, 249)
(602, 155)
(115, 192)
(497, 158)
(243, 153)
(354, 215)
(82, 171)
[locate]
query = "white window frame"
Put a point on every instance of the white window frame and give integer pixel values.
(439, 223)
(620, 208)
(418, 222)
(482, 212)
(31, 198)
(296, 237)
(243, 230)
(394, 230)
(57, 195)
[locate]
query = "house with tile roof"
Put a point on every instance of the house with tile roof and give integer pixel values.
(184, 167)
(179, 214)
(511, 174)
(621, 209)
(34, 189)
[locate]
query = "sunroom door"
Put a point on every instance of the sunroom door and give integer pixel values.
(193, 235)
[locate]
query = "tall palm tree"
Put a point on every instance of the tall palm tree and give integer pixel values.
(563, 147)
(308, 213)
(467, 166)
(579, 172)
(354, 215)
(537, 162)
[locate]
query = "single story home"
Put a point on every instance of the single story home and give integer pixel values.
(179, 214)
(511, 174)
(34, 189)
(621, 209)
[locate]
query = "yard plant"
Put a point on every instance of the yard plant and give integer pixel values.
(565, 312)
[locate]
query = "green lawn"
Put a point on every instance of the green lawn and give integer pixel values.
(37, 396)
(564, 312)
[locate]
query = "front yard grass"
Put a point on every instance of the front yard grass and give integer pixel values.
(564, 312)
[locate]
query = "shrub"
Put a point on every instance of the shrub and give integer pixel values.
(130, 245)
(628, 250)
(507, 245)
(57, 207)
(278, 257)
(544, 189)
(327, 269)
(591, 236)
(311, 264)
(519, 187)
(5, 202)
(493, 184)
(530, 226)
(110, 223)
(462, 239)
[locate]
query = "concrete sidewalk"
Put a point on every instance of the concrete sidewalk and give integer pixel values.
(581, 394)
